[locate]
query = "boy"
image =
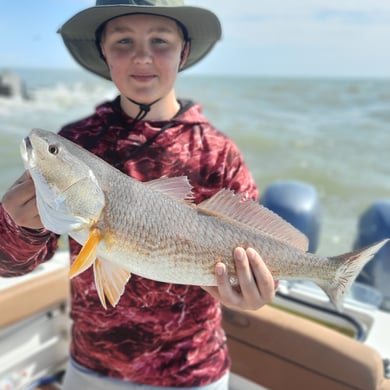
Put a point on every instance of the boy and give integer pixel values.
(159, 334)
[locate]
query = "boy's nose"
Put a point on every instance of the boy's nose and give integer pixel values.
(142, 53)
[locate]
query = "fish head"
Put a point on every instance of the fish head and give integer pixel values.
(67, 191)
(49, 162)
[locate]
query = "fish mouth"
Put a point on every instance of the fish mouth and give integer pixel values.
(26, 151)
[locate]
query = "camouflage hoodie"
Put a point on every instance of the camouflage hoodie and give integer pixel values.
(159, 334)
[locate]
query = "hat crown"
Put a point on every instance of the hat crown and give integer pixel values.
(79, 32)
(155, 3)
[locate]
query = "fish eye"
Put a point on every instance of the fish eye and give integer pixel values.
(53, 149)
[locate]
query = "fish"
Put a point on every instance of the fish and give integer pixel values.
(155, 230)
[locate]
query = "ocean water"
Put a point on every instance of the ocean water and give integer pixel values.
(332, 134)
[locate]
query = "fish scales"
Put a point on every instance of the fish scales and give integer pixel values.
(154, 230)
(171, 245)
(182, 234)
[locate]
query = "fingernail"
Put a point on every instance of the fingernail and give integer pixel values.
(220, 269)
(239, 254)
(251, 252)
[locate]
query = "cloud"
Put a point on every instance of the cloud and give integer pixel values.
(302, 22)
(322, 37)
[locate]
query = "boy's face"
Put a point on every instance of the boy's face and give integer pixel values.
(143, 55)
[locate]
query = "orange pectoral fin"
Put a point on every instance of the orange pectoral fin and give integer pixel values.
(87, 255)
(110, 280)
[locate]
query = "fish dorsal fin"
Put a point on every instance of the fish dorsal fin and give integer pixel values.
(227, 203)
(178, 188)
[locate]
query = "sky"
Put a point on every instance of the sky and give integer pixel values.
(293, 38)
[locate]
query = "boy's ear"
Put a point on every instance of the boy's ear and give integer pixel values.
(184, 54)
(102, 54)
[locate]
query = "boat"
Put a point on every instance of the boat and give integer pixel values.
(297, 342)
(300, 341)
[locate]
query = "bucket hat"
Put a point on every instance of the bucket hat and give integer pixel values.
(79, 32)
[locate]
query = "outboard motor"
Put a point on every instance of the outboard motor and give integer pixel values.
(297, 203)
(374, 225)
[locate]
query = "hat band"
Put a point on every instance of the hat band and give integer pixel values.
(155, 3)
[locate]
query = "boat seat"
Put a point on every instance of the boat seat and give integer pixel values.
(284, 351)
(34, 325)
(23, 300)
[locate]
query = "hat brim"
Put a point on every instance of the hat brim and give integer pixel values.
(78, 33)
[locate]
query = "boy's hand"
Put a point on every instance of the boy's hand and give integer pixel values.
(20, 203)
(256, 284)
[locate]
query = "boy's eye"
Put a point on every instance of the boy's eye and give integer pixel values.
(159, 40)
(125, 41)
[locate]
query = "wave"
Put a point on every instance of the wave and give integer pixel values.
(52, 106)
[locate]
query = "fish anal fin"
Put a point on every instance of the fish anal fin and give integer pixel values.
(99, 282)
(178, 188)
(87, 255)
(110, 281)
(248, 212)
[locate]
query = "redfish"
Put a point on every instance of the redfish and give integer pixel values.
(154, 229)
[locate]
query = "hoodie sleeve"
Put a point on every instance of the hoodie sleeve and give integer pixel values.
(21, 249)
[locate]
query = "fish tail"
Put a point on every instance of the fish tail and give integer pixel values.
(350, 266)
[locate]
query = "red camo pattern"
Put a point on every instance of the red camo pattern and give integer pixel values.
(160, 334)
